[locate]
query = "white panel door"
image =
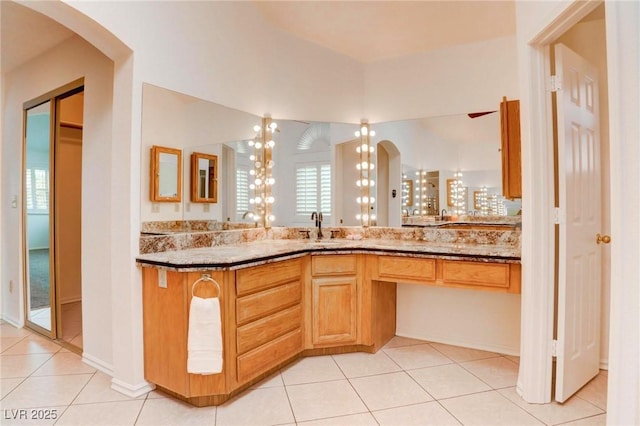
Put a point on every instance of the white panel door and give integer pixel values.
(578, 348)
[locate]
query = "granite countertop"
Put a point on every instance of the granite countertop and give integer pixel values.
(236, 256)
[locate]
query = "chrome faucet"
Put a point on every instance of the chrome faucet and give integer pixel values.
(318, 218)
(442, 213)
(415, 212)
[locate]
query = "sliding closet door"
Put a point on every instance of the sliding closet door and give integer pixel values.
(38, 219)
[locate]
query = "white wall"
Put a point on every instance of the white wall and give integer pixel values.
(469, 318)
(65, 63)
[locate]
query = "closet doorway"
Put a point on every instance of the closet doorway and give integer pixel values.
(52, 202)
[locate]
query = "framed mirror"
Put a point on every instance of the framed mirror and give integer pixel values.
(166, 174)
(204, 178)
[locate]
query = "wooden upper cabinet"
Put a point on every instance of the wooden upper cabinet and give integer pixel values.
(511, 158)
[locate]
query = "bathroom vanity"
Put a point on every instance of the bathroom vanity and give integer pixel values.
(286, 298)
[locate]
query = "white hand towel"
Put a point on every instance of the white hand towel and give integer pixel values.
(204, 345)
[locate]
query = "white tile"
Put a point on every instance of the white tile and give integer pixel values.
(427, 414)
(599, 420)
(106, 413)
(7, 385)
(48, 391)
(595, 391)
(364, 419)
(446, 381)
(64, 363)
(99, 390)
(21, 365)
(389, 390)
(398, 341)
(360, 364)
(7, 330)
(418, 356)
(32, 416)
(327, 399)
(256, 407)
(487, 408)
(7, 342)
(273, 381)
(168, 411)
(554, 413)
(496, 372)
(311, 370)
(460, 354)
(33, 345)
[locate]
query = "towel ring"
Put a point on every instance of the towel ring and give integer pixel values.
(205, 277)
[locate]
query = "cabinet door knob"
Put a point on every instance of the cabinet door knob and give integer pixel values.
(605, 239)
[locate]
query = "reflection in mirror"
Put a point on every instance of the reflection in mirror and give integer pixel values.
(204, 178)
(166, 174)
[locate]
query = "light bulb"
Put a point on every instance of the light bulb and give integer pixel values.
(270, 164)
(365, 182)
(372, 182)
(359, 200)
(256, 128)
(358, 216)
(373, 217)
(365, 164)
(417, 173)
(252, 172)
(252, 157)
(258, 145)
(271, 144)
(371, 166)
(272, 217)
(252, 201)
(258, 200)
(271, 181)
(251, 143)
(372, 133)
(258, 181)
(372, 200)
(256, 218)
(270, 199)
(252, 186)
(357, 133)
(371, 149)
(273, 125)
(358, 182)
(365, 217)
(364, 130)
(258, 164)
(365, 199)
(358, 166)
(358, 150)
(365, 147)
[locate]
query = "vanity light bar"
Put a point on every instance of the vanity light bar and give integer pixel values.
(365, 180)
(262, 173)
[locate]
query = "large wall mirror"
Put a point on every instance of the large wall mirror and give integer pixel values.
(315, 163)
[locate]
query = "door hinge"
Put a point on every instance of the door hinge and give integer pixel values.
(554, 348)
(554, 83)
(558, 217)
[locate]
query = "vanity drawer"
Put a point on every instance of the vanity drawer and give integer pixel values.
(476, 273)
(408, 268)
(259, 332)
(343, 264)
(266, 302)
(269, 355)
(260, 277)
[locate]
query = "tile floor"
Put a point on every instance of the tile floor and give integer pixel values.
(409, 382)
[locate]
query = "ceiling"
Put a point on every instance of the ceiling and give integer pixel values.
(370, 31)
(364, 30)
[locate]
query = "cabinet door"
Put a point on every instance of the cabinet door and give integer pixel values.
(511, 157)
(334, 310)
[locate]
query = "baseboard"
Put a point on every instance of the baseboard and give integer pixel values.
(129, 390)
(98, 364)
(12, 321)
(447, 340)
(604, 364)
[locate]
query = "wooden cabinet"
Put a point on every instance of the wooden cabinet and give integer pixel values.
(480, 275)
(269, 317)
(334, 300)
(511, 157)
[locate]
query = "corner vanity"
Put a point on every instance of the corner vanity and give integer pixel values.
(282, 297)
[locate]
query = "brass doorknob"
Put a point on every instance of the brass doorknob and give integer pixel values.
(605, 239)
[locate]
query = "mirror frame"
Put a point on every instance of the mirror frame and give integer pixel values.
(155, 174)
(195, 178)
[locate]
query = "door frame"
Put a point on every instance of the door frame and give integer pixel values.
(53, 96)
